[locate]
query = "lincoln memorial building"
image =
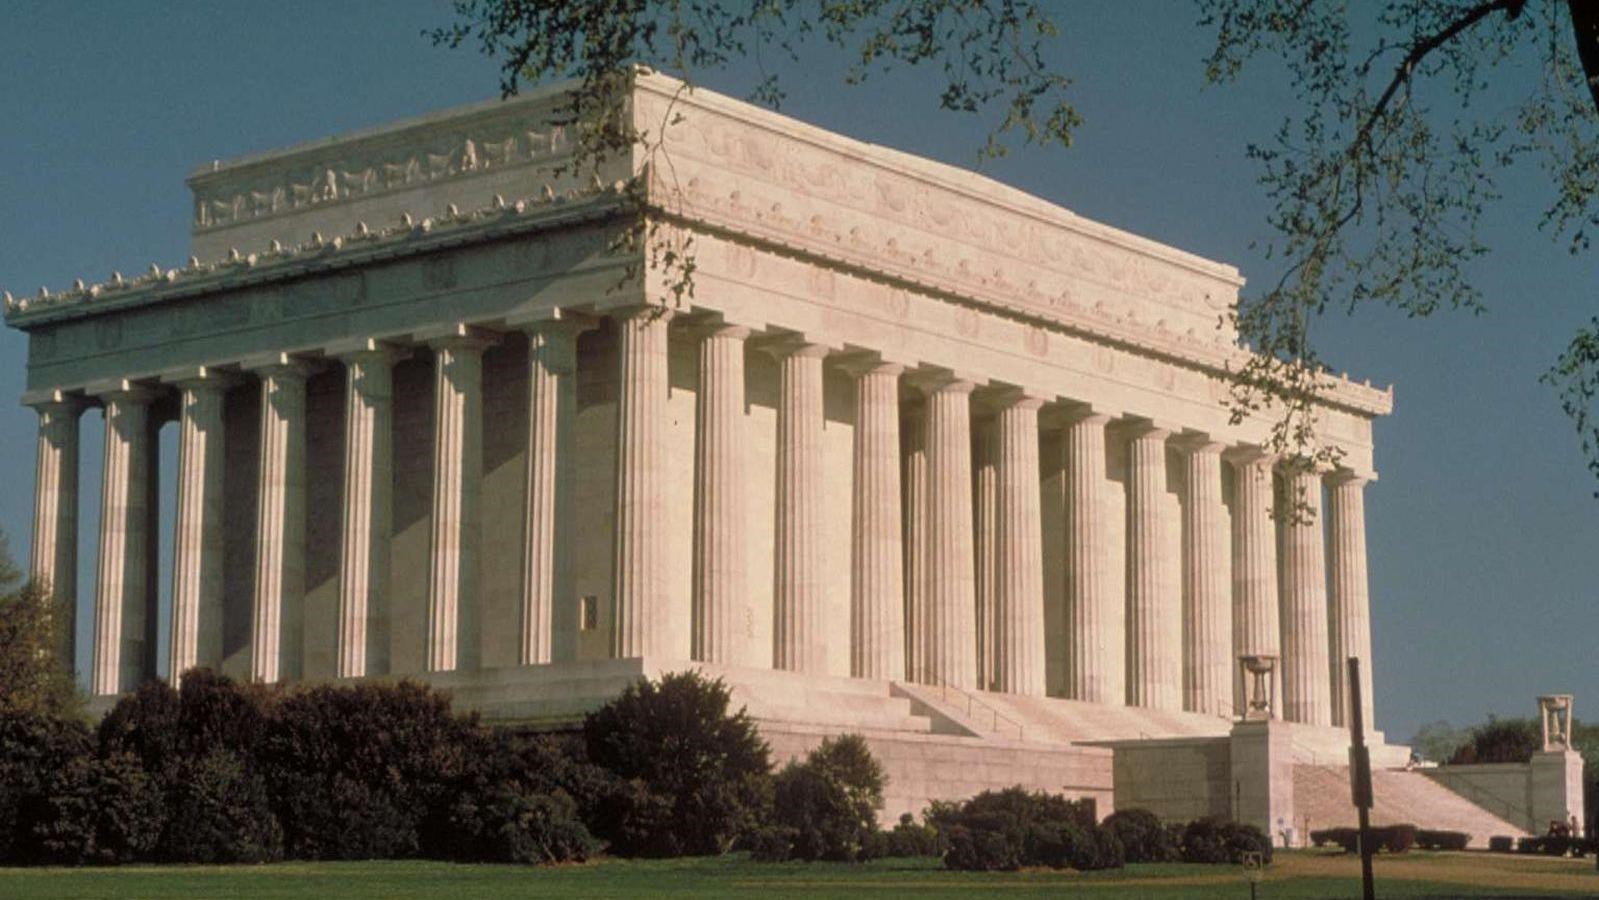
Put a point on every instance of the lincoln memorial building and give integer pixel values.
(889, 446)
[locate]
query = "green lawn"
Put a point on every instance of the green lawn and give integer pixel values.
(1302, 874)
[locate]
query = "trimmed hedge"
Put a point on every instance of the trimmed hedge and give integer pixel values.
(1143, 837)
(1385, 838)
(1216, 841)
(1554, 845)
(1428, 839)
(1501, 843)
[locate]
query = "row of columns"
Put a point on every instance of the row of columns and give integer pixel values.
(942, 591)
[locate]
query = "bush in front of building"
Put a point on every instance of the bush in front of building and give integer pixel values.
(827, 804)
(1217, 841)
(1432, 839)
(1143, 838)
(911, 838)
(1009, 829)
(32, 746)
(218, 811)
(98, 810)
(510, 823)
(693, 776)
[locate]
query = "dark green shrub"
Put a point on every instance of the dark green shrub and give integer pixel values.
(1004, 830)
(985, 846)
(217, 811)
(694, 774)
(911, 839)
(364, 772)
(510, 824)
(1216, 841)
(1428, 839)
(1501, 843)
(31, 747)
(1394, 838)
(95, 810)
(771, 843)
(1143, 838)
(830, 800)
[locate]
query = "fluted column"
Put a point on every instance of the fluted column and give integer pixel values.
(367, 514)
(1207, 602)
(720, 577)
(913, 431)
(196, 638)
(797, 630)
(950, 623)
(877, 577)
(547, 528)
(279, 602)
(1255, 613)
(1019, 550)
(1349, 620)
(453, 634)
(1307, 693)
(637, 575)
(124, 646)
(54, 560)
(984, 541)
(1095, 619)
(1154, 592)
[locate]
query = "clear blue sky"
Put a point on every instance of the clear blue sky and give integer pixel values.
(1484, 535)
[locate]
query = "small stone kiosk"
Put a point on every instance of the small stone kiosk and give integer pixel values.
(920, 456)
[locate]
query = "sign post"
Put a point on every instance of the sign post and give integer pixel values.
(1360, 776)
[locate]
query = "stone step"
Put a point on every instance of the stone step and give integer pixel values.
(1322, 798)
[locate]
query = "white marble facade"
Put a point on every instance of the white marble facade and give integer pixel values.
(911, 425)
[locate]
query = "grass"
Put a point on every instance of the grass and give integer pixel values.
(1301, 874)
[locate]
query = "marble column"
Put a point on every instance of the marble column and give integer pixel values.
(1154, 592)
(1349, 619)
(276, 639)
(950, 623)
(799, 643)
(124, 643)
(547, 553)
(720, 577)
(1095, 620)
(877, 576)
(984, 541)
(913, 439)
(367, 514)
(640, 601)
(196, 638)
(1307, 693)
(1255, 612)
(54, 560)
(1207, 601)
(453, 639)
(1019, 549)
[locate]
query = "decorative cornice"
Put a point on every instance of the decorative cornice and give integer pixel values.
(406, 237)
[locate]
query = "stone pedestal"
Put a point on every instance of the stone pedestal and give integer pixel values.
(1262, 755)
(1554, 789)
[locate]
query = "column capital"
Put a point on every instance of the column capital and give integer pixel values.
(939, 381)
(1084, 413)
(628, 311)
(55, 401)
(786, 345)
(707, 328)
(1302, 466)
(280, 365)
(1244, 455)
(1005, 396)
(552, 320)
(199, 378)
(1197, 443)
(1344, 475)
(1142, 427)
(459, 336)
(367, 350)
(122, 390)
(858, 362)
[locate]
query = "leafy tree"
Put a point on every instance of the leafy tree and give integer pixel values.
(830, 801)
(1438, 741)
(33, 676)
(1378, 178)
(694, 773)
(1500, 741)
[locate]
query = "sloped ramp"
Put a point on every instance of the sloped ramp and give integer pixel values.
(1322, 796)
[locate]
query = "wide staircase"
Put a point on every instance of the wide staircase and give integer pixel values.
(1322, 796)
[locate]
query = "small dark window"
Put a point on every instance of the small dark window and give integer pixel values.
(588, 613)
